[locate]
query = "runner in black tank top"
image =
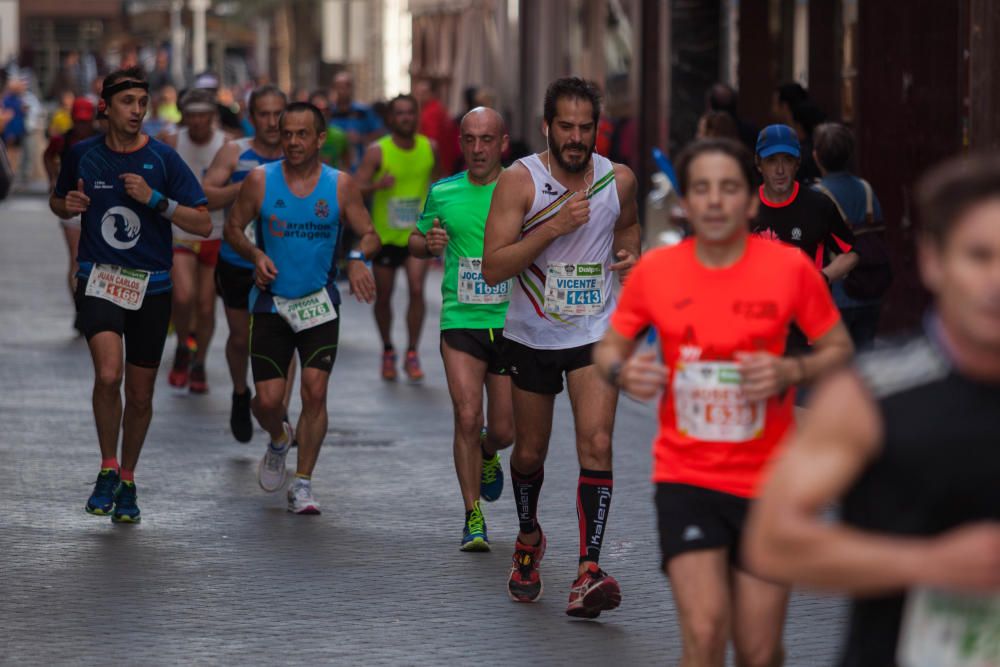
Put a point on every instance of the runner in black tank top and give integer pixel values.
(908, 443)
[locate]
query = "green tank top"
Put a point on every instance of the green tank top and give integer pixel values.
(395, 211)
(461, 207)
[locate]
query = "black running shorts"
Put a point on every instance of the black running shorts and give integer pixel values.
(233, 284)
(391, 256)
(692, 518)
(541, 371)
(484, 344)
(144, 331)
(272, 344)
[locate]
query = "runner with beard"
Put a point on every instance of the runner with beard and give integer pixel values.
(562, 223)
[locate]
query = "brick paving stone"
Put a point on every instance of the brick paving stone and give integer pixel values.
(219, 573)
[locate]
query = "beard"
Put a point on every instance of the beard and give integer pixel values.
(556, 152)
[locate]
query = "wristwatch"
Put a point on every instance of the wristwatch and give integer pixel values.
(358, 255)
(161, 206)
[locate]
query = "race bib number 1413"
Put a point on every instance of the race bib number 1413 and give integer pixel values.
(574, 289)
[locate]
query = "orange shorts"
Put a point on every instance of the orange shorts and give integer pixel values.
(207, 252)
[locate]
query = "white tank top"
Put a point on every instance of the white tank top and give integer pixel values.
(565, 298)
(198, 158)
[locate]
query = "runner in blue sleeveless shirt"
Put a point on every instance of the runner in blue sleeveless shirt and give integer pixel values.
(296, 206)
(127, 188)
(233, 274)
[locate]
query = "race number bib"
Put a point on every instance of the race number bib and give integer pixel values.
(403, 212)
(710, 404)
(122, 287)
(308, 311)
(950, 630)
(574, 289)
(473, 289)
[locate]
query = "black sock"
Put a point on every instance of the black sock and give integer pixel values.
(388, 347)
(593, 502)
(526, 490)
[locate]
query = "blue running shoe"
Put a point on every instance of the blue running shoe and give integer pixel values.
(126, 509)
(102, 500)
(491, 481)
(474, 534)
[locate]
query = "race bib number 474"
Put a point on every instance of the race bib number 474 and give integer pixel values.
(122, 287)
(574, 289)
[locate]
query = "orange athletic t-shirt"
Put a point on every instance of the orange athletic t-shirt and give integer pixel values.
(710, 435)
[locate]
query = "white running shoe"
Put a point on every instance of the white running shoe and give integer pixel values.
(300, 498)
(271, 473)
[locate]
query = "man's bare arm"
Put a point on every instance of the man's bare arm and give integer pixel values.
(627, 244)
(245, 209)
(789, 540)
(505, 252)
(354, 211)
(219, 191)
(370, 163)
(841, 266)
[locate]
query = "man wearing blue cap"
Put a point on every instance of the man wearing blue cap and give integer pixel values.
(798, 216)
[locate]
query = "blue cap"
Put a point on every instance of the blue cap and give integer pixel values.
(775, 139)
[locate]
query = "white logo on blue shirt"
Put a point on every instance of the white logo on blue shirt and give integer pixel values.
(121, 227)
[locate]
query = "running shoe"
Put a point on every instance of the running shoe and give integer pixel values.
(389, 366)
(593, 591)
(412, 367)
(198, 380)
(239, 417)
(102, 500)
(126, 509)
(271, 473)
(491, 481)
(179, 373)
(474, 534)
(300, 498)
(525, 581)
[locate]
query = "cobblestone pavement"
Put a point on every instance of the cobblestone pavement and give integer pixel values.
(219, 572)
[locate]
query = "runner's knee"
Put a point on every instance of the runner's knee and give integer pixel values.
(596, 448)
(705, 635)
(139, 399)
(757, 650)
(313, 395)
(109, 378)
(469, 418)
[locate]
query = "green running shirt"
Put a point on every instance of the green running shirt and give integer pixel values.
(461, 207)
(395, 211)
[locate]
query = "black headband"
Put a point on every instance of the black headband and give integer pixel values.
(107, 92)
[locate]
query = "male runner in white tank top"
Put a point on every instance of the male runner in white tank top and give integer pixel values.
(193, 274)
(562, 223)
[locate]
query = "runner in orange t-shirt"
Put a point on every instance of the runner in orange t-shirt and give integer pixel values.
(722, 304)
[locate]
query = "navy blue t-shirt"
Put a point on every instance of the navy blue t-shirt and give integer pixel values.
(117, 229)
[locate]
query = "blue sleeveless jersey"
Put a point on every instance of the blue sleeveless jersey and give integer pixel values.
(248, 159)
(300, 235)
(117, 229)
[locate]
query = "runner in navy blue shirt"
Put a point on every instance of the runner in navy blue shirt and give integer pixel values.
(127, 189)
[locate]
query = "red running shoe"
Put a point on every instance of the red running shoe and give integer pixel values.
(199, 382)
(525, 581)
(593, 591)
(179, 373)
(412, 366)
(389, 366)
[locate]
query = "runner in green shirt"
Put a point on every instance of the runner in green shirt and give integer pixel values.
(472, 316)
